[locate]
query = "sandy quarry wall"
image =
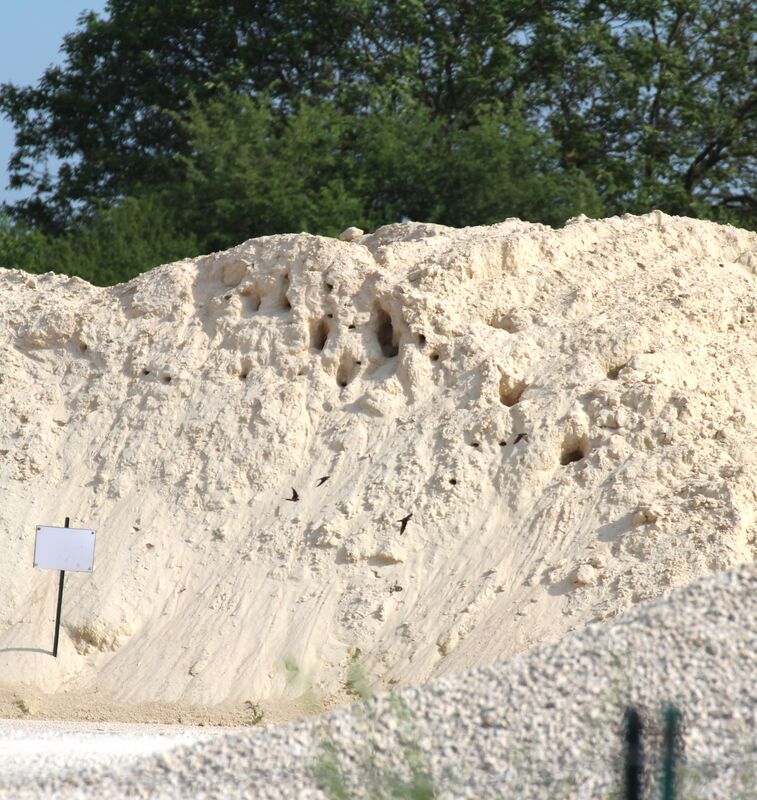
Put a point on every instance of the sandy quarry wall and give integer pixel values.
(175, 412)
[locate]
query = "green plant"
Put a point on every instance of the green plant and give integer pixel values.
(255, 711)
(357, 680)
(299, 682)
(115, 244)
(391, 764)
(401, 772)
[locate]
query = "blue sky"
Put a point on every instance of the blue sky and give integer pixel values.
(31, 33)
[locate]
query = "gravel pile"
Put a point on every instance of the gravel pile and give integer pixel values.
(31, 751)
(545, 724)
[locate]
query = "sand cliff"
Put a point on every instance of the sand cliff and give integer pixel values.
(175, 413)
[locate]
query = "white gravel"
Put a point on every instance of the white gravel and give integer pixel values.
(542, 725)
(33, 750)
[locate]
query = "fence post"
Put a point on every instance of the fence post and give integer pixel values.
(670, 752)
(633, 767)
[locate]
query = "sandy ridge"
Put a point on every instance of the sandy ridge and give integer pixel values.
(174, 414)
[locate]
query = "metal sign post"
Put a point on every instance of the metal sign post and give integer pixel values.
(64, 549)
(60, 606)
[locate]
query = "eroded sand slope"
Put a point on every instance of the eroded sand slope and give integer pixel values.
(174, 414)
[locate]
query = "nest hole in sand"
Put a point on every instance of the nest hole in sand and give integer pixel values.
(252, 298)
(347, 370)
(319, 333)
(614, 372)
(385, 333)
(285, 303)
(573, 449)
(510, 390)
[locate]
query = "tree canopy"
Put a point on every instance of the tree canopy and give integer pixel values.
(337, 108)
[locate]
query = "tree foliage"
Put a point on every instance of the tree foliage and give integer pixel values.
(656, 101)
(249, 173)
(537, 109)
(115, 244)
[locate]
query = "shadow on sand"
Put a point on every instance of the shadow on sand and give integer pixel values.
(25, 650)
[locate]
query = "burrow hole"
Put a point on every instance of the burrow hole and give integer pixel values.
(614, 372)
(245, 367)
(285, 304)
(167, 377)
(385, 333)
(83, 347)
(347, 370)
(421, 340)
(573, 449)
(510, 390)
(453, 481)
(319, 333)
(329, 288)
(145, 371)
(475, 443)
(252, 297)
(434, 356)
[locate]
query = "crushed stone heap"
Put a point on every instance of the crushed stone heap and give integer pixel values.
(568, 415)
(546, 723)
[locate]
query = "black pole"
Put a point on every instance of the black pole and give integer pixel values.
(633, 768)
(60, 607)
(670, 753)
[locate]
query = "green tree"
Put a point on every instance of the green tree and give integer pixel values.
(116, 244)
(109, 112)
(250, 173)
(656, 102)
(653, 101)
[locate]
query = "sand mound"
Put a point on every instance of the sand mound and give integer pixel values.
(176, 412)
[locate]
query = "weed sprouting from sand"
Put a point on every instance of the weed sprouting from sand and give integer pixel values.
(357, 680)
(386, 761)
(386, 764)
(255, 712)
(328, 772)
(298, 681)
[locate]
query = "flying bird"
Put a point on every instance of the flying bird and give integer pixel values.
(404, 522)
(322, 480)
(295, 497)
(520, 436)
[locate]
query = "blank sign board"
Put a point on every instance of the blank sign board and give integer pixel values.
(70, 549)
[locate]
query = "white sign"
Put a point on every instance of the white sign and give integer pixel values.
(70, 549)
